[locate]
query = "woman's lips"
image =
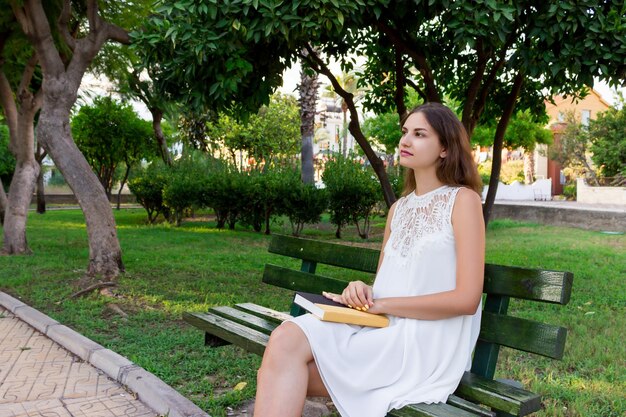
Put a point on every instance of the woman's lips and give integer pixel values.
(405, 153)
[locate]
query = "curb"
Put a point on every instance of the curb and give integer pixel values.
(151, 390)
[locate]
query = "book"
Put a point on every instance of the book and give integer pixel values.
(329, 310)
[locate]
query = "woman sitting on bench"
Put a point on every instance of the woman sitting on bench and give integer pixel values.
(429, 282)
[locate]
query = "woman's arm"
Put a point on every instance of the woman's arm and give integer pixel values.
(469, 234)
(358, 294)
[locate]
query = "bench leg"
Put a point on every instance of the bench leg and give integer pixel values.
(214, 341)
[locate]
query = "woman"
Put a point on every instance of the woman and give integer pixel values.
(429, 282)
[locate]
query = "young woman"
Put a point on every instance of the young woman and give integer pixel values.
(429, 282)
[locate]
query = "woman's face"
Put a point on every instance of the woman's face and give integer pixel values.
(419, 146)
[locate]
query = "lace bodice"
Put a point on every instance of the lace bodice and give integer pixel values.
(422, 219)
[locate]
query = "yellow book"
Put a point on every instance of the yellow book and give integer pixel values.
(328, 310)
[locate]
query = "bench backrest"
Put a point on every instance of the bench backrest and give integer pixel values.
(501, 284)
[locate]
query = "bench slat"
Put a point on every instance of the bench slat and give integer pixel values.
(527, 335)
(235, 333)
(430, 410)
(469, 406)
(498, 395)
(268, 314)
(246, 319)
(352, 257)
(531, 284)
(301, 281)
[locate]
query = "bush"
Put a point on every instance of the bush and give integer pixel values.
(303, 203)
(509, 172)
(352, 194)
(147, 187)
(569, 191)
(220, 190)
(181, 192)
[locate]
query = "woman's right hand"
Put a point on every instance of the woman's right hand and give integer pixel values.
(358, 295)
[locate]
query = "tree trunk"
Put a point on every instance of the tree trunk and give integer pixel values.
(497, 146)
(20, 195)
(119, 193)
(22, 142)
(41, 196)
(529, 166)
(355, 128)
(53, 132)
(157, 117)
(308, 102)
(344, 131)
(4, 203)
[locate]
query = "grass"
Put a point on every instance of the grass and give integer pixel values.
(170, 270)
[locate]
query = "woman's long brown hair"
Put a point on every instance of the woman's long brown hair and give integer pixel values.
(458, 167)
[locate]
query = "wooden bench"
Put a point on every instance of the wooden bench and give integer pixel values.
(249, 325)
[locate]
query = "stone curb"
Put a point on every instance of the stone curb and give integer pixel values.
(155, 393)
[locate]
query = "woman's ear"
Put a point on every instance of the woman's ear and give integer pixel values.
(443, 154)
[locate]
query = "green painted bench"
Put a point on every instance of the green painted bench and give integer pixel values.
(249, 325)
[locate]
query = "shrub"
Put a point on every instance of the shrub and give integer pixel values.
(219, 189)
(569, 191)
(352, 194)
(147, 187)
(302, 204)
(509, 172)
(181, 192)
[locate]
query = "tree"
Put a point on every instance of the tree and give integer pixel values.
(66, 40)
(120, 64)
(489, 57)
(524, 131)
(309, 86)
(608, 143)
(268, 136)
(21, 99)
(572, 148)
(110, 134)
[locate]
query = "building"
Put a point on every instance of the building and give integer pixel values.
(584, 109)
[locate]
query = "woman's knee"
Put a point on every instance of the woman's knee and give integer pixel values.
(288, 339)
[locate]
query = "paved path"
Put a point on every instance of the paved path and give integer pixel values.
(40, 378)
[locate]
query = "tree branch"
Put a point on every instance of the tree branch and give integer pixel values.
(432, 93)
(473, 88)
(27, 76)
(318, 65)
(417, 89)
(481, 101)
(507, 112)
(8, 104)
(64, 24)
(93, 17)
(35, 25)
(400, 82)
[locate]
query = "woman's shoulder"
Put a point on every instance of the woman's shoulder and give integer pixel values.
(467, 194)
(467, 203)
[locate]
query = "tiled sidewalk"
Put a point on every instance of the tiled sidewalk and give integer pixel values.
(40, 378)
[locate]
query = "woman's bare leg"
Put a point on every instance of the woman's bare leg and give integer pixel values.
(284, 375)
(316, 387)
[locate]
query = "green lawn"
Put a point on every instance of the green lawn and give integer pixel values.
(170, 270)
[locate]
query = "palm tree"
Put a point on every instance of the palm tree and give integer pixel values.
(309, 86)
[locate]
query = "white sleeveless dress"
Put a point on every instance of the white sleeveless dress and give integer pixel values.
(369, 371)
